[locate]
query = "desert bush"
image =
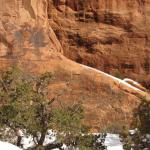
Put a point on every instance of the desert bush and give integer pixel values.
(141, 137)
(25, 105)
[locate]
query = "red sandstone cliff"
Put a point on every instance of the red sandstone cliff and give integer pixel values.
(102, 36)
(24, 26)
(111, 35)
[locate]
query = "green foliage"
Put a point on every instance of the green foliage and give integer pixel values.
(92, 142)
(139, 140)
(117, 74)
(85, 141)
(127, 141)
(25, 105)
(69, 122)
(69, 119)
(143, 116)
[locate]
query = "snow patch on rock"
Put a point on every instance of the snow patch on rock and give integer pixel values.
(114, 78)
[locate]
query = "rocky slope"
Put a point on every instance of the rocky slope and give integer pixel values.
(27, 39)
(111, 35)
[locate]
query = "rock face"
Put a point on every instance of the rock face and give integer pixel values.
(97, 33)
(111, 35)
(24, 27)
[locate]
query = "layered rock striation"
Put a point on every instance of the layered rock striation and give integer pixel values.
(111, 35)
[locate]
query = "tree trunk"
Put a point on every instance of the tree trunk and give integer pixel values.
(48, 147)
(19, 138)
(42, 138)
(53, 146)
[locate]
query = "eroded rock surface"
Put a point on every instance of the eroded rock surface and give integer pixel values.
(24, 27)
(111, 35)
(102, 36)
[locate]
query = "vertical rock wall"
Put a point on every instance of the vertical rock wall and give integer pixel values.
(24, 28)
(111, 35)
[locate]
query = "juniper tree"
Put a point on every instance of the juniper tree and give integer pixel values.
(24, 104)
(140, 139)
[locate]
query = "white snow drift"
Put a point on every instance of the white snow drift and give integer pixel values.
(8, 146)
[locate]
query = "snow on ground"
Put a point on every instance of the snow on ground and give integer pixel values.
(112, 142)
(28, 142)
(50, 137)
(8, 146)
(114, 78)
